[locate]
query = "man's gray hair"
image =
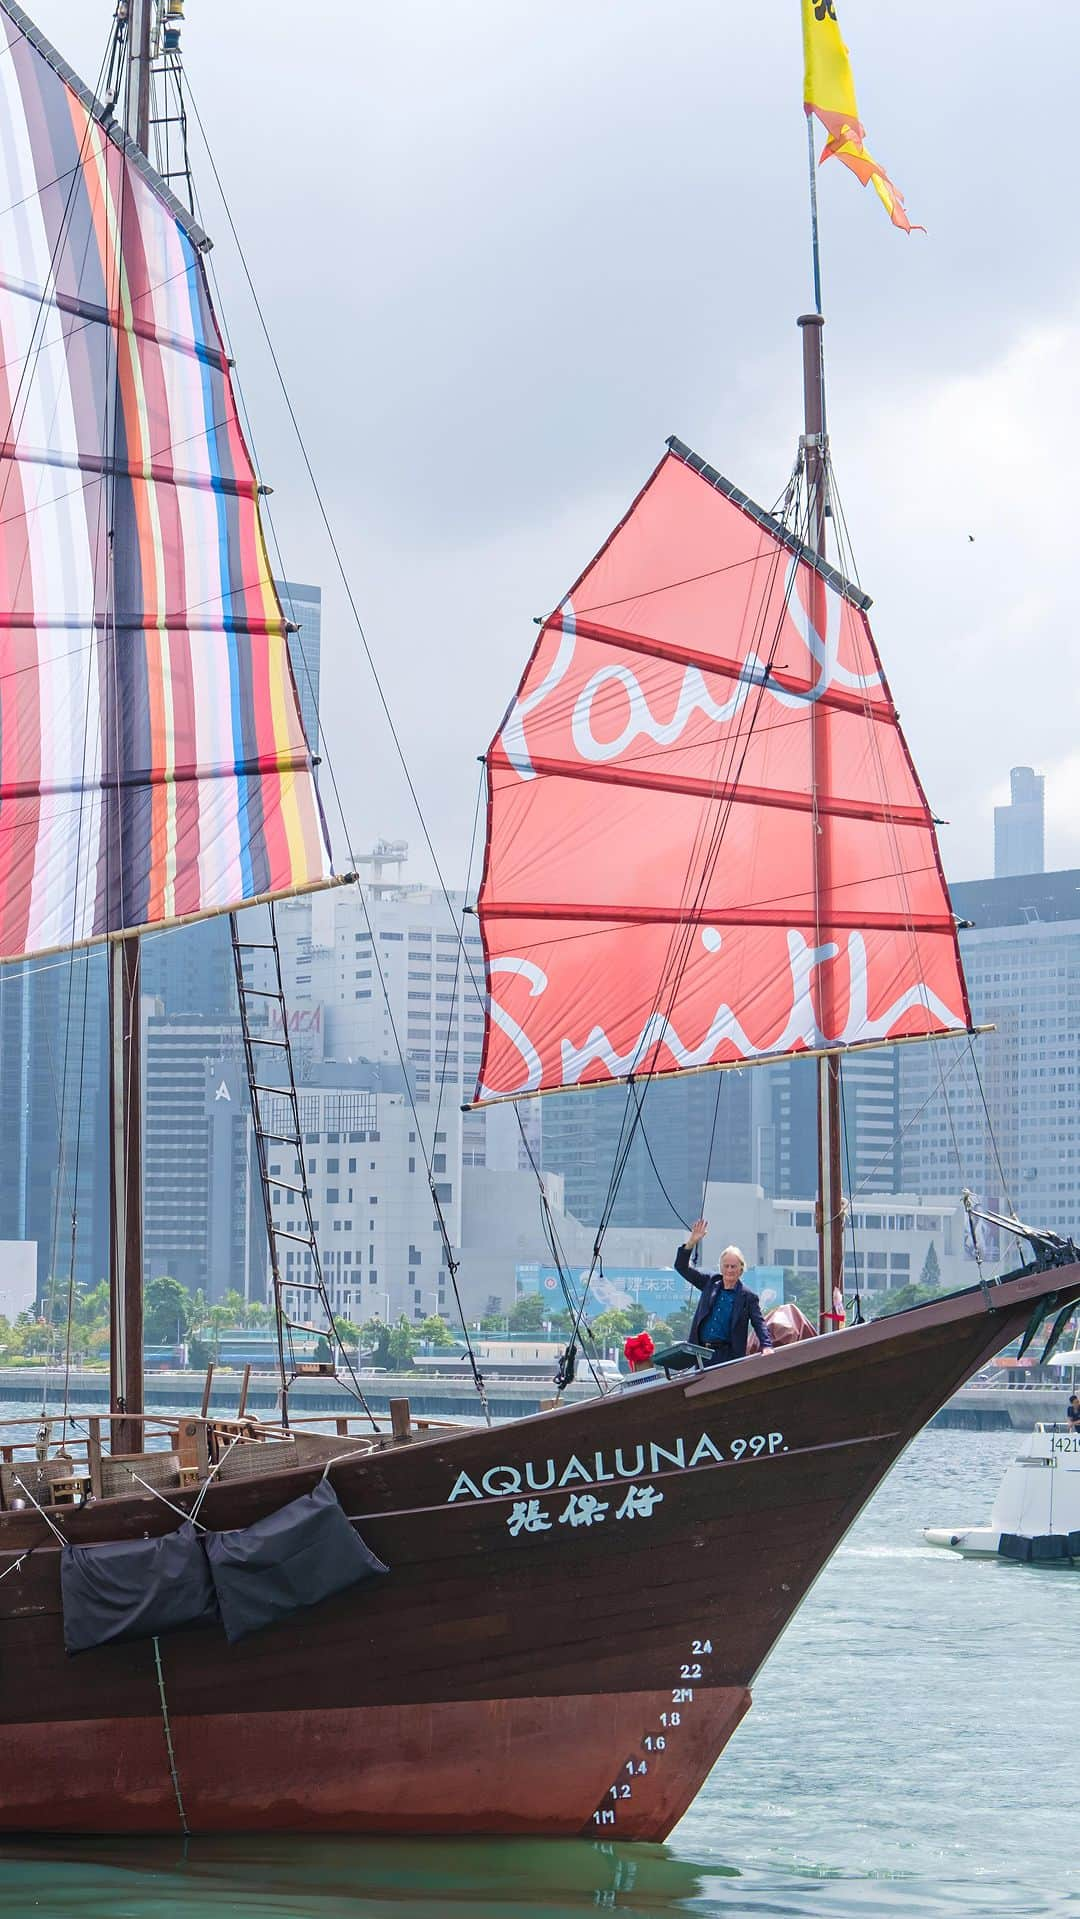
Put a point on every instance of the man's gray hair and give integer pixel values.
(739, 1254)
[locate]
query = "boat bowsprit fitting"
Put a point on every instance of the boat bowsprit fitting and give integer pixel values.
(1036, 1515)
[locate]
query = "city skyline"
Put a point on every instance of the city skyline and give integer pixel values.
(339, 950)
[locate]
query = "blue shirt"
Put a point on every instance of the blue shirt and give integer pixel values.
(716, 1330)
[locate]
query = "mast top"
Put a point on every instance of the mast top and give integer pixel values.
(106, 119)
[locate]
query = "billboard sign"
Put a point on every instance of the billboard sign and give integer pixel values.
(306, 1030)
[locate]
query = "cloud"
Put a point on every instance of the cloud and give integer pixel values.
(1063, 817)
(980, 635)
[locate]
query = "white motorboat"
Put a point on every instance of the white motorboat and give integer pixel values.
(1036, 1515)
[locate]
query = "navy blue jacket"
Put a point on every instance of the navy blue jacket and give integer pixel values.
(745, 1313)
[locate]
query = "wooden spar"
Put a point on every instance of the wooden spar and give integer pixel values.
(125, 996)
(732, 1065)
(830, 1202)
(153, 927)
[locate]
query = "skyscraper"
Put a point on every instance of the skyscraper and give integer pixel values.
(367, 970)
(693, 1127)
(1018, 827)
(181, 1051)
(304, 605)
(785, 1099)
(190, 970)
(1022, 960)
(54, 1085)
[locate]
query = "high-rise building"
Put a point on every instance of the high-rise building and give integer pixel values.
(189, 970)
(187, 1057)
(785, 1124)
(1002, 1115)
(369, 970)
(381, 1244)
(382, 966)
(1018, 827)
(303, 604)
(691, 1128)
(54, 1155)
(756, 1124)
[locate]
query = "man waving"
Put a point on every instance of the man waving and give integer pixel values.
(727, 1309)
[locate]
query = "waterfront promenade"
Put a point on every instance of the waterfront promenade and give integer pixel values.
(973, 1408)
(88, 1391)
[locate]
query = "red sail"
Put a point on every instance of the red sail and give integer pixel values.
(706, 840)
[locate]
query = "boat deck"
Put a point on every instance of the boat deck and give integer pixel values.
(69, 1463)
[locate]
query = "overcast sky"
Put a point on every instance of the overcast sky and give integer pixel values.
(505, 247)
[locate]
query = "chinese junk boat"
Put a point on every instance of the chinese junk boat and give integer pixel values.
(707, 845)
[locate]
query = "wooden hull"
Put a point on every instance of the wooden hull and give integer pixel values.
(576, 1608)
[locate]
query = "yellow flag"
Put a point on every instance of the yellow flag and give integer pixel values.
(829, 94)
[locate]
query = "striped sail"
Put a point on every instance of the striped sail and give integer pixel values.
(153, 765)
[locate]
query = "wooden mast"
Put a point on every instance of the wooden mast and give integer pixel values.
(829, 1217)
(125, 1027)
(829, 1210)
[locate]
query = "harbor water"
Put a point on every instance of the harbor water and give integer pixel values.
(912, 1750)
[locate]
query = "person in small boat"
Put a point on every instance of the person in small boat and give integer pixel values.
(1072, 1413)
(727, 1309)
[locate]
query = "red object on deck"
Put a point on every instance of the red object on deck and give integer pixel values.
(638, 1351)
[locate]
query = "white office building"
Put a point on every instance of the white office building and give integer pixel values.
(18, 1277)
(375, 967)
(380, 1243)
(887, 1243)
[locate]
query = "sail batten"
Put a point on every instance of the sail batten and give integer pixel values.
(622, 641)
(156, 770)
(102, 466)
(719, 916)
(152, 927)
(79, 309)
(724, 793)
(707, 843)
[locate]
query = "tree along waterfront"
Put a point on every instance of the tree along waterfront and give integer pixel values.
(74, 1320)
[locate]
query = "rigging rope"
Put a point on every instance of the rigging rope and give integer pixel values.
(453, 1264)
(346, 584)
(848, 561)
(676, 1214)
(705, 848)
(845, 1131)
(174, 1774)
(720, 1079)
(990, 1129)
(16, 417)
(355, 611)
